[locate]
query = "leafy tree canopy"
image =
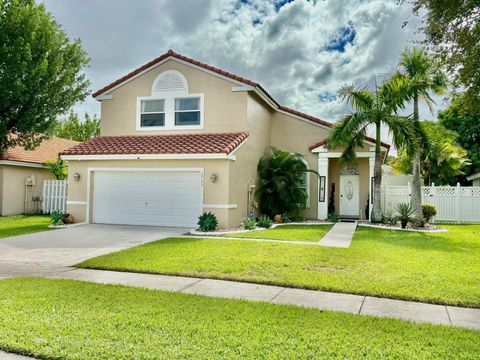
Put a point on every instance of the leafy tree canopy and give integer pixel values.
(452, 30)
(442, 159)
(467, 125)
(40, 72)
(74, 129)
(58, 169)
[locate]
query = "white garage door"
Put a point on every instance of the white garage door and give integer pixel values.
(159, 198)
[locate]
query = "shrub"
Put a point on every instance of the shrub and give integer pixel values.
(207, 222)
(298, 218)
(281, 183)
(332, 217)
(265, 222)
(56, 218)
(389, 217)
(249, 223)
(428, 211)
(406, 214)
(286, 218)
(58, 168)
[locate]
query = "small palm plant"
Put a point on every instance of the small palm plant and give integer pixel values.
(406, 214)
(281, 187)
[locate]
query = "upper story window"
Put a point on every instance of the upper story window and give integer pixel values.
(187, 111)
(152, 113)
(170, 106)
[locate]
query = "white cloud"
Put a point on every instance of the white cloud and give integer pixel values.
(284, 51)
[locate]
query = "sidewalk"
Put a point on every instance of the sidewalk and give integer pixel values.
(355, 304)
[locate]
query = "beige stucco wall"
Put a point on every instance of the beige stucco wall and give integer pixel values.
(216, 193)
(294, 135)
(13, 188)
(224, 110)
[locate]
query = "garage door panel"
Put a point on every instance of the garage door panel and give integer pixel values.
(167, 198)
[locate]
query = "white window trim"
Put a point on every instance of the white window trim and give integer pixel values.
(307, 184)
(169, 111)
(151, 112)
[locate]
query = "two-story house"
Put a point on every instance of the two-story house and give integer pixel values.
(179, 137)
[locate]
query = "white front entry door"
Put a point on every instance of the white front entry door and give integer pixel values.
(159, 198)
(349, 195)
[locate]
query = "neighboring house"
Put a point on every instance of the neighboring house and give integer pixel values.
(179, 137)
(22, 173)
(475, 179)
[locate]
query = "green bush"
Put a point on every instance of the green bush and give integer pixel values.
(428, 211)
(286, 218)
(265, 222)
(207, 222)
(389, 218)
(406, 214)
(56, 218)
(332, 217)
(249, 223)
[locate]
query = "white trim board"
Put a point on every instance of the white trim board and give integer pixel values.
(220, 206)
(21, 163)
(150, 157)
(76, 202)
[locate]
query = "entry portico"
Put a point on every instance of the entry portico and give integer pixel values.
(345, 188)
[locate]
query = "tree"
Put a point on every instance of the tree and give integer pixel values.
(40, 72)
(72, 128)
(58, 169)
(371, 109)
(418, 75)
(442, 161)
(452, 30)
(281, 187)
(467, 125)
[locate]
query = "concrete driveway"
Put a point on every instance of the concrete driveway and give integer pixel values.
(49, 252)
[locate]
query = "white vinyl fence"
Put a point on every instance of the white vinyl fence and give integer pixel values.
(54, 196)
(459, 204)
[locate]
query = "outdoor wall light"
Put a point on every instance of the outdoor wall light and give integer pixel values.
(213, 177)
(76, 177)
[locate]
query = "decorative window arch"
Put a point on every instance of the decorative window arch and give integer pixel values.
(170, 81)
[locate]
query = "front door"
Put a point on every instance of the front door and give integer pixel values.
(349, 195)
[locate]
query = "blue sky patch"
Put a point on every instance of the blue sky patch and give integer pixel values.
(327, 97)
(341, 38)
(279, 3)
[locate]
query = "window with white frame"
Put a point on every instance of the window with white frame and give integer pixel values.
(306, 184)
(187, 111)
(152, 113)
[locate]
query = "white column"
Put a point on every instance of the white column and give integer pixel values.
(371, 167)
(323, 171)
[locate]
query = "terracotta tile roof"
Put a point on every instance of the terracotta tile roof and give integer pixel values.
(223, 143)
(171, 53)
(367, 138)
(47, 150)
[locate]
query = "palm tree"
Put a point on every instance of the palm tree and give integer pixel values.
(371, 108)
(419, 75)
(281, 187)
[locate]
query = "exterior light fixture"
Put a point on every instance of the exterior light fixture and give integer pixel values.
(213, 177)
(76, 177)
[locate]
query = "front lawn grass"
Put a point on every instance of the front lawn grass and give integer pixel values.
(23, 224)
(312, 233)
(430, 267)
(79, 320)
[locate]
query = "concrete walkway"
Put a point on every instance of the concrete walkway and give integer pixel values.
(355, 304)
(340, 235)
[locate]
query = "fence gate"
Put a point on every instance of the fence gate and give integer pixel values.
(459, 204)
(54, 196)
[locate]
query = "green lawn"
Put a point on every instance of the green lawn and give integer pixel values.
(288, 232)
(80, 320)
(23, 224)
(431, 267)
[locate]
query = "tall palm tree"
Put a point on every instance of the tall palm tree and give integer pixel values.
(419, 75)
(371, 109)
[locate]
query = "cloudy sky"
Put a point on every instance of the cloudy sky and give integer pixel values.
(301, 51)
